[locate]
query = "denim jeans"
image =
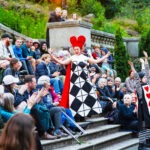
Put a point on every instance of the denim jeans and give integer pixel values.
(55, 113)
(27, 66)
(57, 84)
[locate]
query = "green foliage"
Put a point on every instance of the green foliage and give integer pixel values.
(72, 6)
(121, 56)
(143, 19)
(111, 7)
(137, 64)
(30, 25)
(91, 6)
(111, 27)
(144, 43)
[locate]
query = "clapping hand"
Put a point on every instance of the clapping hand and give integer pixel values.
(32, 100)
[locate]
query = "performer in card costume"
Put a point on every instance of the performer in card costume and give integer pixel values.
(79, 94)
(143, 92)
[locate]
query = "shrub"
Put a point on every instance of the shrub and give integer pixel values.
(144, 43)
(121, 56)
(92, 6)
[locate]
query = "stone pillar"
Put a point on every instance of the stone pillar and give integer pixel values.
(132, 46)
(60, 33)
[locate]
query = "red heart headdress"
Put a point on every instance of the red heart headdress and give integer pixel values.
(77, 42)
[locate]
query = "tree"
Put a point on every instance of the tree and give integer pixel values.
(144, 43)
(121, 56)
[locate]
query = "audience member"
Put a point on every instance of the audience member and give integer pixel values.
(43, 69)
(56, 15)
(19, 133)
(130, 82)
(128, 114)
(43, 48)
(37, 52)
(29, 54)
(64, 15)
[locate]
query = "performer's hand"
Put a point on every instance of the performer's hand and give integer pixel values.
(145, 54)
(142, 61)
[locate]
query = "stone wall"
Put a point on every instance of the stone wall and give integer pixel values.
(4, 29)
(60, 33)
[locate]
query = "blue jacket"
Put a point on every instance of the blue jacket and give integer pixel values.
(126, 115)
(18, 53)
(41, 69)
(26, 52)
(6, 115)
(55, 67)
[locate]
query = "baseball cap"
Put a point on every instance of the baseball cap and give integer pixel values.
(9, 79)
(5, 35)
(43, 79)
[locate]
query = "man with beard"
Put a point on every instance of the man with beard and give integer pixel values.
(6, 52)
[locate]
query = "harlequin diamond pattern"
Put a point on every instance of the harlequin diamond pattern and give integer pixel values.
(82, 98)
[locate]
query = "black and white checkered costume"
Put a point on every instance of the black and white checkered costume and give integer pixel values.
(82, 98)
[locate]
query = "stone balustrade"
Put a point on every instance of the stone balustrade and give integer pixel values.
(4, 29)
(60, 33)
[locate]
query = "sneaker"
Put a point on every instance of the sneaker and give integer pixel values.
(60, 133)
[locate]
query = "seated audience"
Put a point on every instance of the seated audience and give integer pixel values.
(128, 114)
(37, 52)
(8, 109)
(43, 69)
(26, 64)
(43, 48)
(106, 63)
(105, 97)
(130, 82)
(6, 52)
(28, 53)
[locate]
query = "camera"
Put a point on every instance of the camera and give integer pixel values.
(22, 75)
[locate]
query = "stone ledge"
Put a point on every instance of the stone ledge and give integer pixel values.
(69, 24)
(10, 31)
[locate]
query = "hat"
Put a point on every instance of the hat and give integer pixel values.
(5, 35)
(141, 74)
(105, 50)
(77, 42)
(9, 79)
(36, 41)
(43, 79)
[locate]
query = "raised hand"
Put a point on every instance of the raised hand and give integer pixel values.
(130, 63)
(145, 54)
(108, 54)
(141, 60)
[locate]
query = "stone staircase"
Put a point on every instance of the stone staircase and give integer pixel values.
(99, 136)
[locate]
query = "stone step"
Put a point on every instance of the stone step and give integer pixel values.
(124, 145)
(94, 122)
(90, 134)
(101, 142)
